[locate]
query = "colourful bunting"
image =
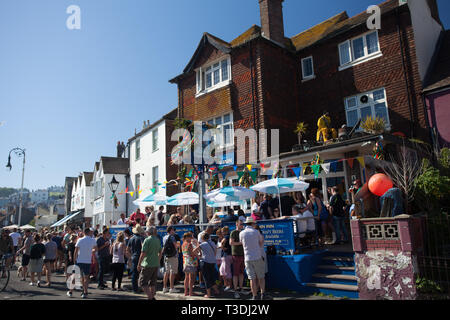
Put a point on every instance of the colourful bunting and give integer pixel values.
(333, 166)
(240, 174)
(296, 172)
(224, 175)
(235, 168)
(132, 193)
(249, 167)
(254, 175)
(326, 167)
(361, 162)
(153, 190)
(350, 162)
(316, 170)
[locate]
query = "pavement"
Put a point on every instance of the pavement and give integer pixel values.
(21, 290)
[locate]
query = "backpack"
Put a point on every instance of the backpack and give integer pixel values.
(169, 248)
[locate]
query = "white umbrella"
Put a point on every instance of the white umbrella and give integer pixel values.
(280, 185)
(155, 199)
(183, 199)
(27, 227)
(14, 226)
(222, 200)
(239, 193)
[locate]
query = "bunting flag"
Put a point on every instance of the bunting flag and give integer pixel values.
(304, 167)
(224, 175)
(326, 167)
(249, 167)
(316, 170)
(296, 172)
(262, 165)
(240, 174)
(153, 190)
(361, 162)
(333, 166)
(235, 168)
(254, 175)
(132, 193)
(350, 162)
(190, 173)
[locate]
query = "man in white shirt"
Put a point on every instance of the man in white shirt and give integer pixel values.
(122, 220)
(17, 238)
(83, 258)
(252, 242)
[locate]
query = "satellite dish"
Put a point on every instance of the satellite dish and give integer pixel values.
(364, 99)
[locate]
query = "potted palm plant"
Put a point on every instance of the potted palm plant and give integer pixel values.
(300, 130)
(372, 125)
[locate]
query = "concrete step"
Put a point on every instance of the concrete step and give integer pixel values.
(338, 258)
(333, 286)
(338, 261)
(333, 267)
(335, 276)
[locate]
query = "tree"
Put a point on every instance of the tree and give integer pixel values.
(404, 172)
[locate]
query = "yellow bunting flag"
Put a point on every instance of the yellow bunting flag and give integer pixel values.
(132, 193)
(361, 162)
(249, 167)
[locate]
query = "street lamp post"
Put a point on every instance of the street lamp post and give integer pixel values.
(20, 153)
(113, 186)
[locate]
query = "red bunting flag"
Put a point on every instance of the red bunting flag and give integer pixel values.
(350, 162)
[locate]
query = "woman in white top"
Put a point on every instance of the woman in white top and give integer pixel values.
(117, 250)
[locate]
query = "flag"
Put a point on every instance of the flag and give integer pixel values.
(153, 190)
(132, 193)
(316, 170)
(249, 167)
(224, 174)
(296, 172)
(240, 174)
(235, 168)
(350, 162)
(326, 167)
(333, 166)
(361, 161)
(304, 167)
(254, 175)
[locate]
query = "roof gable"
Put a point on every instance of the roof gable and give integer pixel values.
(440, 76)
(114, 165)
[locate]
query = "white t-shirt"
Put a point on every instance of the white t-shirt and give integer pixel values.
(255, 207)
(121, 222)
(302, 225)
(85, 245)
(311, 225)
(250, 238)
(200, 235)
(15, 236)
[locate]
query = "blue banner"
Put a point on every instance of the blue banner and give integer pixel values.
(114, 230)
(180, 230)
(278, 233)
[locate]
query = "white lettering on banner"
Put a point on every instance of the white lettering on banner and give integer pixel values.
(74, 20)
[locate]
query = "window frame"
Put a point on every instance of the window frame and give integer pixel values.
(155, 182)
(202, 72)
(351, 50)
(220, 126)
(155, 148)
(312, 75)
(371, 103)
(137, 149)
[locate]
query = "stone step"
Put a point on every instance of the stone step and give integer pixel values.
(333, 267)
(337, 258)
(333, 286)
(335, 276)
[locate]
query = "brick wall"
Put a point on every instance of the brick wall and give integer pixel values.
(328, 90)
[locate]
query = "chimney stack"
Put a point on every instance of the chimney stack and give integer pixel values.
(272, 19)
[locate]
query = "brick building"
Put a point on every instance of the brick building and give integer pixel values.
(263, 79)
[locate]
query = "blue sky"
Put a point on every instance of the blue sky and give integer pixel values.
(68, 96)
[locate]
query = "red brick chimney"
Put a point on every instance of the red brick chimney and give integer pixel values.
(272, 19)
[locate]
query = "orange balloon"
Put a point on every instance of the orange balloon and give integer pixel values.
(379, 184)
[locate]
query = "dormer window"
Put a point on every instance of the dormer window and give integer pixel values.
(213, 76)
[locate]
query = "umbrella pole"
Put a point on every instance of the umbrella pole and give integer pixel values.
(279, 199)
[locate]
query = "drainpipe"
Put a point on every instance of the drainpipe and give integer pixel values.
(405, 74)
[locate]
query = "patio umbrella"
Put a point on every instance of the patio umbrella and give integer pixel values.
(27, 227)
(280, 185)
(223, 200)
(183, 199)
(237, 193)
(14, 226)
(153, 199)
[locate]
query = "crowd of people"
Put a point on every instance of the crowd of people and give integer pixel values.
(208, 258)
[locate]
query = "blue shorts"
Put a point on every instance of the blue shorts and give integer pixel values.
(85, 268)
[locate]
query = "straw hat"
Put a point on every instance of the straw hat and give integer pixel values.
(138, 229)
(249, 220)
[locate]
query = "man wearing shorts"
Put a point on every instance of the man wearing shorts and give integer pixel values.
(83, 256)
(237, 251)
(26, 251)
(170, 261)
(149, 263)
(252, 242)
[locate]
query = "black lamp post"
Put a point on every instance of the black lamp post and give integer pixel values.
(20, 153)
(113, 186)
